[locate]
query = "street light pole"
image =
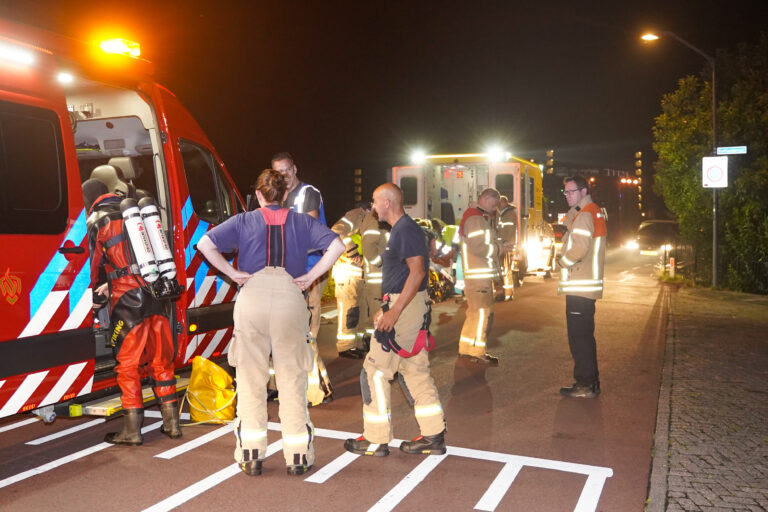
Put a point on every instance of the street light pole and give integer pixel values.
(712, 64)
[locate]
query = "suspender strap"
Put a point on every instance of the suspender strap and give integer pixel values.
(121, 272)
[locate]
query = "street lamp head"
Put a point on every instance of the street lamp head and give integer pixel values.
(649, 36)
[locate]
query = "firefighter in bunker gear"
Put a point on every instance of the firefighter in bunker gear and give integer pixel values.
(581, 281)
(271, 316)
(347, 274)
(375, 235)
(506, 230)
(404, 320)
(141, 333)
(480, 265)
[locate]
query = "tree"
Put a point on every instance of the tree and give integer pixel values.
(683, 135)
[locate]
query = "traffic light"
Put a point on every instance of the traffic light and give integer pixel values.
(358, 185)
(550, 161)
(638, 163)
(639, 180)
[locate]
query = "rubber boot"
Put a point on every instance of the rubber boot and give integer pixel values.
(170, 414)
(131, 432)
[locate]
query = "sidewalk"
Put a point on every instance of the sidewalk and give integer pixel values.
(711, 441)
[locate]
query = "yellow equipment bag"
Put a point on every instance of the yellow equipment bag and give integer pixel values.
(211, 393)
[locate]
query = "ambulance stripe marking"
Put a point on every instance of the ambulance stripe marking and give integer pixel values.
(22, 394)
(19, 424)
(55, 267)
(407, 484)
(186, 212)
(80, 287)
(82, 308)
(66, 432)
(203, 284)
(221, 293)
(499, 487)
(44, 313)
(196, 443)
(64, 460)
(191, 346)
(63, 384)
(200, 277)
(205, 484)
(214, 343)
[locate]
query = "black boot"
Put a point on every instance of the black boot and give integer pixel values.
(131, 432)
(170, 413)
(425, 445)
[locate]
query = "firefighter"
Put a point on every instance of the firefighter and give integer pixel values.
(479, 259)
(581, 281)
(348, 276)
(402, 340)
(271, 316)
(141, 332)
(507, 233)
(304, 198)
(375, 235)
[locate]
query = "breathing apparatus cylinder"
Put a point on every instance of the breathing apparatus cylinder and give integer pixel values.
(163, 255)
(137, 234)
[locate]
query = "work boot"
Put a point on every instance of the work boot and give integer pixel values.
(298, 469)
(353, 353)
(582, 391)
(362, 446)
(425, 445)
(486, 359)
(170, 414)
(251, 467)
(131, 432)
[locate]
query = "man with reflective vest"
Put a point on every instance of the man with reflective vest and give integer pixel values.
(347, 275)
(375, 235)
(480, 265)
(581, 281)
(141, 332)
(507, 232)
(304, 198)
(402, 340)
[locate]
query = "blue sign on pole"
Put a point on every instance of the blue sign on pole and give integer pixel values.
(732, 150)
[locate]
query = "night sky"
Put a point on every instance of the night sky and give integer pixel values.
(356, 84)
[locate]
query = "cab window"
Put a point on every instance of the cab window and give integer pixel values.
(31, 154)
(409, 186)
(505, 184)
(211, 199)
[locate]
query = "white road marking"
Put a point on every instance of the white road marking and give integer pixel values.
(19, 424)
(66, 432)
(205, 484)
(499, 487)
(407, 484)
(590, 494)
(195, 443)
(333, 467)
(65, 460)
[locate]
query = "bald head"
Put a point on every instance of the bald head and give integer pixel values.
(388, 202)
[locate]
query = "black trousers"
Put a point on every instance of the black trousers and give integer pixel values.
(580, 315)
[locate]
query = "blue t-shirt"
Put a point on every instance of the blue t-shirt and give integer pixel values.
(406, 240)
(247, 232)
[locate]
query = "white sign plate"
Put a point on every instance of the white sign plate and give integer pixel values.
(714, 171)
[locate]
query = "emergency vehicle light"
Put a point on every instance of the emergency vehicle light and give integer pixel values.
(418, 157)
(121, 47)
(16, 54)
(65, 78)
(192, 327)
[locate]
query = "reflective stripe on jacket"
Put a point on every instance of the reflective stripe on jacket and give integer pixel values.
(479, 252)
(583, 259)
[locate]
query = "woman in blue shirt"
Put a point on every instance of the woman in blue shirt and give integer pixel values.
(271, 316)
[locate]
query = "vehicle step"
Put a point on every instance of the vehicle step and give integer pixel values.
(112, 405)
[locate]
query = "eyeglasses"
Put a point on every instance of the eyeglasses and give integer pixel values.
(569, 192)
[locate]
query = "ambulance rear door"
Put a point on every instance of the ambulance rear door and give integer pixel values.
(46, 340)
(411, 181)
(202, 195)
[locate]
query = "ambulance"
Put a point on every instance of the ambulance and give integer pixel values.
(67, 108)
(442, 186)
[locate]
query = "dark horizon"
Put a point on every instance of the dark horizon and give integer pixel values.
(344, 86)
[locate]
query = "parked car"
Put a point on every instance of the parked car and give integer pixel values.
(656, 237)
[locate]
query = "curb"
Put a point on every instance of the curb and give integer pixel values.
(657, 483)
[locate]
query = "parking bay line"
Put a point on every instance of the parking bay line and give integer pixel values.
(67, 459)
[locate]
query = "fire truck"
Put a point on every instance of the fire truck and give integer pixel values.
(66, 108)
(442, 186)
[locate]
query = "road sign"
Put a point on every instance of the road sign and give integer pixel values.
(732, 150)
(714, 171)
